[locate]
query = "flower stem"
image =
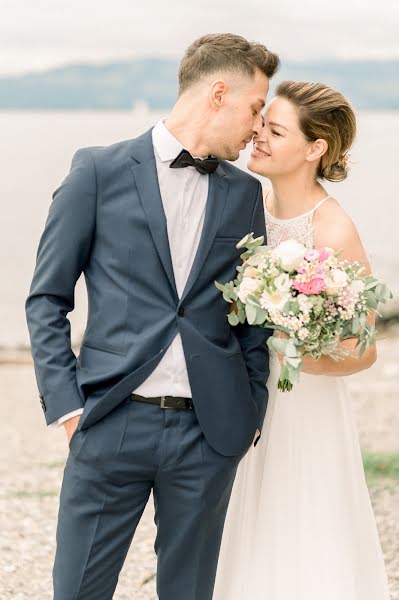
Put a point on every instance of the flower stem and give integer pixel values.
(284, 385)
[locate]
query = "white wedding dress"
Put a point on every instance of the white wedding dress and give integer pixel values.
(300, 524)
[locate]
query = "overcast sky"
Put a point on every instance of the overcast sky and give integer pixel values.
(37, 34)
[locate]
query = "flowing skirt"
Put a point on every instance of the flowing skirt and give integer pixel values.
(300, 525)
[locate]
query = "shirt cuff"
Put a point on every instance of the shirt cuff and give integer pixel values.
(61, 420)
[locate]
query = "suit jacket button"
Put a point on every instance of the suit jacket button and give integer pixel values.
(180, 312)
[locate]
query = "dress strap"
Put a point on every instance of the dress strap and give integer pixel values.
(265, 194)
(320, 203)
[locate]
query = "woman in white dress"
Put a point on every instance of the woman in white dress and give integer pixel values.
(300, 525)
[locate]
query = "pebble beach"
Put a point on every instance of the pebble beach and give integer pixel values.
(33, 458)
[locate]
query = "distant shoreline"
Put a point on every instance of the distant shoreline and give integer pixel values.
(369, 84)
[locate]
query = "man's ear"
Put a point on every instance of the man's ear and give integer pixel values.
(217, 92)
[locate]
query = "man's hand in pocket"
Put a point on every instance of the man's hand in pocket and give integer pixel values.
(70, 426)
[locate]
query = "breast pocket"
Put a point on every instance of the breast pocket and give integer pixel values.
(227, 240)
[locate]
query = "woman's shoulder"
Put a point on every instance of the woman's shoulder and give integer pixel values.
(332, 220)
(334, 227)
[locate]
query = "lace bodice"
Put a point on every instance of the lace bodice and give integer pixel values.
(299, 228)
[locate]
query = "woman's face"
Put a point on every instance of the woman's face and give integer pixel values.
(281, 148)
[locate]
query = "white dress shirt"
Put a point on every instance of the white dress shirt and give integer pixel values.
(184, 194)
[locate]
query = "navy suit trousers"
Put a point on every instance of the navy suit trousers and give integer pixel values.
(112, 468)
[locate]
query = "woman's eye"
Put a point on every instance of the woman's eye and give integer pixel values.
(275, 133)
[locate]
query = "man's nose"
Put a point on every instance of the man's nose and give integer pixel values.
(258, 125)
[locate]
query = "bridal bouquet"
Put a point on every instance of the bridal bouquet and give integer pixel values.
(309, 294)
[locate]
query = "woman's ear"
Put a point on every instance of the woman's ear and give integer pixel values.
(316, 150)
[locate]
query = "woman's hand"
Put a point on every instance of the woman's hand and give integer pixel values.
(326, 365)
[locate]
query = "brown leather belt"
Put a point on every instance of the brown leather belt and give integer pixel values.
(165, 401)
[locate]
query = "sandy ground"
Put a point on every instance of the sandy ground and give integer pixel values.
(33, 457)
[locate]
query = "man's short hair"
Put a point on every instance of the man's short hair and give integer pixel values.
(218, 52)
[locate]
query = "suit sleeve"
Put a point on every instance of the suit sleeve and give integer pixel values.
(253, 339)
(63, 252)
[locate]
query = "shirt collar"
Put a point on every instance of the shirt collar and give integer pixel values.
(165, 144)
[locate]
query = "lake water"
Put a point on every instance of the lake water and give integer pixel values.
(35, 154)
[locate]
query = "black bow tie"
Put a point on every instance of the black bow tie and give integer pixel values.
(203, 166)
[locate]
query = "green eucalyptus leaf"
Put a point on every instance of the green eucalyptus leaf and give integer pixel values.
(355, 324)
(253, 300)
(277, 328)
(241, 311)
(378, 290)
(227, 296)
(233, 318)
(291, 306)
(371, 282)
(250, 312)
(243, 243)
(370, 299)
(261, 316)
(219, 286)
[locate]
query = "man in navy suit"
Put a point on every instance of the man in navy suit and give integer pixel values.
(164, 397)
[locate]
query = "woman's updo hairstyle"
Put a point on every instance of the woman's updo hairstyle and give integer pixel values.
(324, 114)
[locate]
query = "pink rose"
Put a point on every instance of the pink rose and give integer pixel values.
(313, 286)
(324, 253)
(312, 254)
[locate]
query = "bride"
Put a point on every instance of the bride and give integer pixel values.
(300, 525)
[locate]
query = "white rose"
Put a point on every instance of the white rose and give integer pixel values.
(283, 282)
(247, 287)
(289, 254)
(357, 286)
(335, 280)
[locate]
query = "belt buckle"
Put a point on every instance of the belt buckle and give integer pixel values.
(163, 400)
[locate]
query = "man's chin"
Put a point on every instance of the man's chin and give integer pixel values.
(231, 156)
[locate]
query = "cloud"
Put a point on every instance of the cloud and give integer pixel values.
(40, 34)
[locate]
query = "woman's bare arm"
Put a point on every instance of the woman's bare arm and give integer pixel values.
(334, 228)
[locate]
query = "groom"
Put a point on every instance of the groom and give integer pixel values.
(164, 396)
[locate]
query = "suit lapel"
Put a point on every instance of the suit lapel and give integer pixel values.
(217, 195)
(146, 178)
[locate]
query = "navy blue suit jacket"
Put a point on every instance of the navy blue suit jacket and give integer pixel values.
(107, 221)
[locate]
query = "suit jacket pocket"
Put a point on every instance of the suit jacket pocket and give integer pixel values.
(102, 349)
(99, 360)
(231, 240)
